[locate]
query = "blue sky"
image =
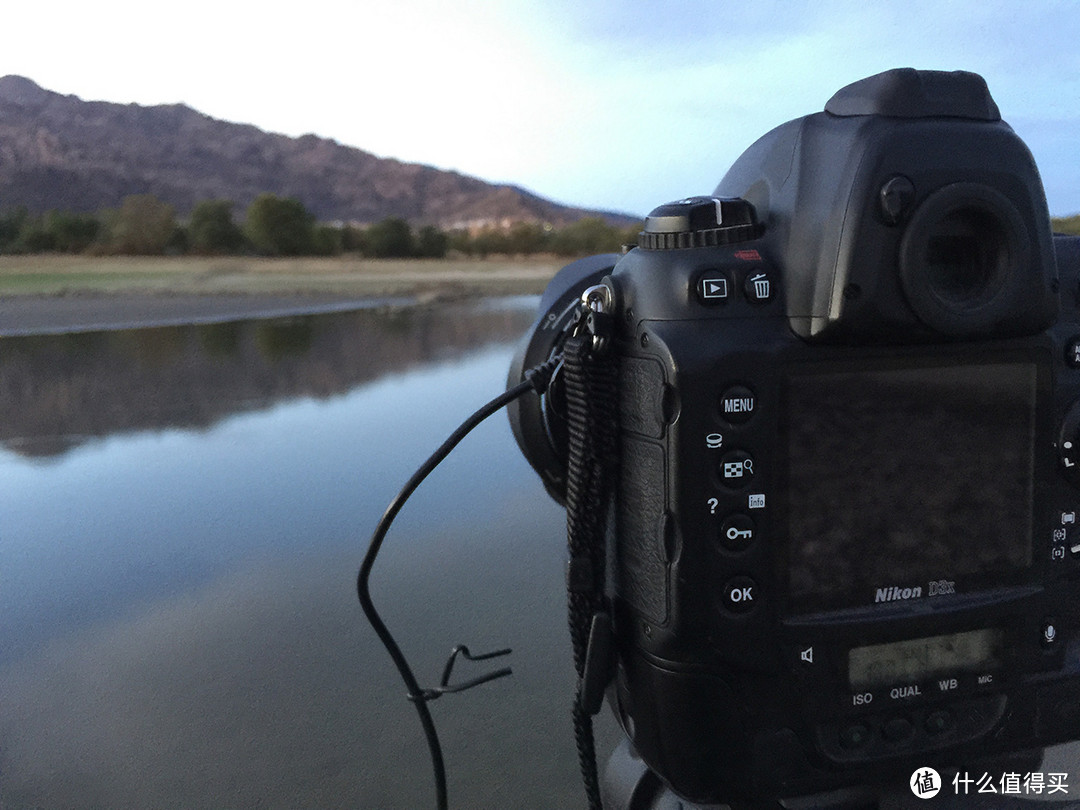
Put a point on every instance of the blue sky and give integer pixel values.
(617, 105)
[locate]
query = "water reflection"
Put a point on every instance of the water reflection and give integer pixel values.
(182, 513)
(58, 390)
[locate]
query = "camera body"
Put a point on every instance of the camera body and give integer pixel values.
(846, 525)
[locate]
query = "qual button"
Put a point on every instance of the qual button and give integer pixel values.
(898, 730)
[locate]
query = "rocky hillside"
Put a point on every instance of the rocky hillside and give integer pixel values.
(60, 152)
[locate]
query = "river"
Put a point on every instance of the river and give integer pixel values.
(183, 511)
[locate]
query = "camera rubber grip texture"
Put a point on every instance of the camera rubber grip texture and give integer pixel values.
(642, 489)
(642, 563)
(641, 406)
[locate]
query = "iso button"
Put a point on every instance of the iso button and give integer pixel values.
(740, 595)
(714, 288)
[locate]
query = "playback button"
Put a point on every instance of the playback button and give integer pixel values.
(713, 288)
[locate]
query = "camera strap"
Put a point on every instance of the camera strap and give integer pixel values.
(590, 376)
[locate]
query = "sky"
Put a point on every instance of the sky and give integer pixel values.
(611, 104)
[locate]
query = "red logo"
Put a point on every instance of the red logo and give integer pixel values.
(748, 255)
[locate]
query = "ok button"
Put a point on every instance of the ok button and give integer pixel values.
(740, 595)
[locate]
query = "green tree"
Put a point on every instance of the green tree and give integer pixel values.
(71, 232)
(586, 236)
(1067, 225)
(353, 239)
(461, 241)
(212, 230)
(144, 225)
(329, 240)
(280, 226)
(391, 238)
(432, 243)
(528, 237)
(34, 237)
(491, 240)
(12, 222)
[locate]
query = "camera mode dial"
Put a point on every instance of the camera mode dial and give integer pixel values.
(699, 222)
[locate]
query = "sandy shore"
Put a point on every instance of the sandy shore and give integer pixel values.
(47, 295)
(35, 315)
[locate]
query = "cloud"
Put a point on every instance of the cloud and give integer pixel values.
(619, 105)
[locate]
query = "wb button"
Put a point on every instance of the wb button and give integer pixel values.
(740, 595)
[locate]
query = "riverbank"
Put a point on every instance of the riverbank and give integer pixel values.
(49, 294)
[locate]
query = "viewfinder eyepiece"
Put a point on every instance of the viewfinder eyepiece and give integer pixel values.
(963, 254)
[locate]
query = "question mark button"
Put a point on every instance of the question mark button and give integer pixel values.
(713, 503)
(737, 533)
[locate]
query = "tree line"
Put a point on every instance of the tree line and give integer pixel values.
(282, 226)
(1068, 225)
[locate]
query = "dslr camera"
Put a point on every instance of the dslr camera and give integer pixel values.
(843, 539)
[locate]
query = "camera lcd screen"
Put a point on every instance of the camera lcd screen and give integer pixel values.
(921, 659)
(908, 483)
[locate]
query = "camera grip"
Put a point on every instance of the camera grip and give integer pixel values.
(641, 553)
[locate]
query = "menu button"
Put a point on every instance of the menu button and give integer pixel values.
(737, 404)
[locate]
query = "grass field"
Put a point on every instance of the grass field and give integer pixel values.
(117, 275)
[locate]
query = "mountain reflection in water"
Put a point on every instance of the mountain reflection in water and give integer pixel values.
(182, 514)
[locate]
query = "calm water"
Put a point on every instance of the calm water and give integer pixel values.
(182, 514)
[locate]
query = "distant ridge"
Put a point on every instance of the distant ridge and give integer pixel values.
(59, 152)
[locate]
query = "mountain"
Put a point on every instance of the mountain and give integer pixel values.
(61, 152)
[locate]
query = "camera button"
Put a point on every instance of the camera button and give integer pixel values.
(896, 198)
(854, 736)
(1049, 635)
(740, 595)
(1072, 352)
(806, 659)
(759, 286)
(737, 532)
(898, 730)
(938, 722)
(736, 469)
(713, 288)
(737, 404)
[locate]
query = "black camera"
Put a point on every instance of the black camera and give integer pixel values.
(844, 535)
